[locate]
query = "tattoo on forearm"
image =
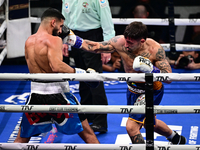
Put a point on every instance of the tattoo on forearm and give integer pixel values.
(90, 47)
(160, 54)
(137, 139)
(104, 45)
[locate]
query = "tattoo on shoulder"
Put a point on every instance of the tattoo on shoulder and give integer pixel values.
(147, 55)
(160, 54)
(114, 39)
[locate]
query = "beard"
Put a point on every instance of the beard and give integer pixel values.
(55, 32)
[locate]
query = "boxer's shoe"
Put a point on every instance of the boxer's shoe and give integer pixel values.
(178, 139)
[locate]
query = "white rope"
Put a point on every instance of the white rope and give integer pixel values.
(72, 77)
(179, 47)
(1, 2)
(146, 21)
(176, 77)
(35, 20)
(98, 77)
(3, 54)
(39, 146)
(43, 146)
(3, 28)
(160, 22)
(182, 47)
(102, 109)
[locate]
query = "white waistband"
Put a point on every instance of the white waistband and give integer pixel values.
(50, 88)
(136, 90)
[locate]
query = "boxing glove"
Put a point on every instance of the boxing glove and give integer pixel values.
(88, 83)
(70, 38)
(144, 65)
(65, 32)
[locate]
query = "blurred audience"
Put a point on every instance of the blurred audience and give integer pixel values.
(115, 63)
(142, 10)
(187, 60)
(192, 33)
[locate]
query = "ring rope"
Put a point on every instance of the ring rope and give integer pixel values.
(146, 21)
(160, 22)
(41, 146)
(182, 47)
(3, 28)
(102, 109)
(3, 54)
(1, 2)
(179, 47)
(164, 22)
(98, 77)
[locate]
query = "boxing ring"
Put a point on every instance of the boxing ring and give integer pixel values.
(111, 109)
(180, 102)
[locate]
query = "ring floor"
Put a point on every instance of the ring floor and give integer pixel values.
(176, 93)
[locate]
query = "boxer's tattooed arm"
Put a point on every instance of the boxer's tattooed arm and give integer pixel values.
(160, 55)
(147, 55)
(162, 62)
(97, 47)
(107, 46)
(115, 39)
(164, 67)
(137, 139)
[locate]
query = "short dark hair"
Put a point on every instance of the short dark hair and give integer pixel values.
(136, 30)
(51, 12)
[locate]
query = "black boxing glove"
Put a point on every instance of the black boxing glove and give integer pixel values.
(65, 32)
(88, 83)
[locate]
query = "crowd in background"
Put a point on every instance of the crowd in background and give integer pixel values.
(140, 9)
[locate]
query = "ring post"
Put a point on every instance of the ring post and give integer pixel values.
(149, 123)
(172, 39)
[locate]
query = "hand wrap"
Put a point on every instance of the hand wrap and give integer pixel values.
(72, 39)
(89, 70)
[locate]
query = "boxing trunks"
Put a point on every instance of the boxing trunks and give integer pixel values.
(136, 96)
(53, 93)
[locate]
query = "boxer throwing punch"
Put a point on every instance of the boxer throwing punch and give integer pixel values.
(139, 54)
(43, 53)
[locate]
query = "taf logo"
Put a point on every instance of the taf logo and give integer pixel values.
(32, 147)
(163, 148)
(125, 147)
(70, 147)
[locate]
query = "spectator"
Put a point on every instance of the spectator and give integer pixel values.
(187, 60)
(90, 20)
(143, 10)
(115, 63)
(192, 33)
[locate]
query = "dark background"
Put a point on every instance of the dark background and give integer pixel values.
(182, 9)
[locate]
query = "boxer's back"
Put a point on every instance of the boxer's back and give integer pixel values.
(36, 53)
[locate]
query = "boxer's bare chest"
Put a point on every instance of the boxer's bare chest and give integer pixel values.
(128, 58)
